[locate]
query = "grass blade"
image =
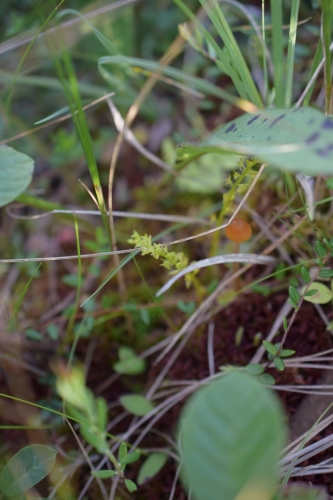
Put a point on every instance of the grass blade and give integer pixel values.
(277, 51)
(291, 52)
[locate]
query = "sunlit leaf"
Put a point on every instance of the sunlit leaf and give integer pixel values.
(322, 296)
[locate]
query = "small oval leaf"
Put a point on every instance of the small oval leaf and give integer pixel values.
(137, 405)
(151, 466)
(322, 296)
(130, 485)
(131, 366)
(231, 434)
(15, 174)
(27, 468)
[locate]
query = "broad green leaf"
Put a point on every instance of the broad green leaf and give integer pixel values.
(131, 366)
(300, 492)
(231, 434)
(27, 468)
(297, 139)
(15, 174)
(136, 404)
(151, 466)
(322, 296)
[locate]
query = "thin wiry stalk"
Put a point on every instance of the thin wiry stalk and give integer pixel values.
(134, 215)
(210, 348)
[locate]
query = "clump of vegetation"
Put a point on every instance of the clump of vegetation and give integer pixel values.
(167, 123)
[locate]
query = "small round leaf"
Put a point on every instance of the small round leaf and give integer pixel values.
(136, 404)
(15, 174)
(27, 468)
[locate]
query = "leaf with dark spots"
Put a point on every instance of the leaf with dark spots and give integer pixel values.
(325, 152)
(274, 122)
(253, 119)
(230, 128)
(327, 124)
(312, 138)
(298, 140)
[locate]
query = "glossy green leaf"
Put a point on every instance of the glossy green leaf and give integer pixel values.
(322, 296)
(297, 139)
(27, 468)
(231, 434)
(16, 171)
(152, 465)
(136, 404)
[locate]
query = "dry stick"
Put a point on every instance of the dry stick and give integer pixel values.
(172, 52)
